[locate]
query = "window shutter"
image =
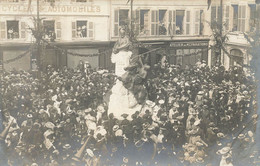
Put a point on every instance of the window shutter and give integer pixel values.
(241, 18)
(155, 22)
(3, 30)
(213, 13)
(197, 22)
(23, 30)
(74, 32)
(137, 21)
(116, 23)
(227, 8)
(171, 22)
(58, 30)
(91, 30)
(187, 22)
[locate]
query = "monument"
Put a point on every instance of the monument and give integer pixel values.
(128, 93)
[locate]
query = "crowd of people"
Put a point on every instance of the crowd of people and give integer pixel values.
(191, 115)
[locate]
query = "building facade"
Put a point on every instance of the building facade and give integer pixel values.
(177, 27)
(238, 18)
(86, 30)
(78, 27)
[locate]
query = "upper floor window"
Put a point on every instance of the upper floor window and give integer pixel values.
(239, 18)
(12, 29)
(215, 16)
(242, 18)
(82, 29)
(162, 22)
(180, 22)
(52, 29)
(235, 17)
(144, 22)
(226, 15)
(49, 29)
(121, 18)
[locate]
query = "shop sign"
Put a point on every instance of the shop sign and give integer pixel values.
(189, 44)
(49, 9)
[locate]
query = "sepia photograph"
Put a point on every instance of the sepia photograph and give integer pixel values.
(129, 82)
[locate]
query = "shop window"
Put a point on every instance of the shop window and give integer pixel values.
(179, 22)
(162, 22)
(179, 56)
(49, 30)
(252, 20)
(236, 58)
(144, 22)
(235, 17)
(12, 29)
(121, 18)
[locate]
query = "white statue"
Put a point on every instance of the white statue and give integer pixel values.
(122, 101)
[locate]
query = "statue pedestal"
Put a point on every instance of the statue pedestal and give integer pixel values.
(122, 102)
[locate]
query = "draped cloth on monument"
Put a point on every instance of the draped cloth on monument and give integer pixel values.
(122, 101)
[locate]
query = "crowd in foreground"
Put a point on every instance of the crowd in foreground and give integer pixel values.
(192, 116)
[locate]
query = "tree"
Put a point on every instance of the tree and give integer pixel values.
(219, 40)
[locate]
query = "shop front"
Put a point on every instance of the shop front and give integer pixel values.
(179, 52)
(188, 53)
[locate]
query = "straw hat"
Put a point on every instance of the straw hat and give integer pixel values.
(66, 146)
(115, 128)
(224, 150)
(90, 153)
(241, 136)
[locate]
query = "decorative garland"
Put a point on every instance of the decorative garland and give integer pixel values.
(19, 56)
(89, 55)
(76, 54)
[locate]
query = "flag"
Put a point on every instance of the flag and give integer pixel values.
(209, 3)
(29, 5)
